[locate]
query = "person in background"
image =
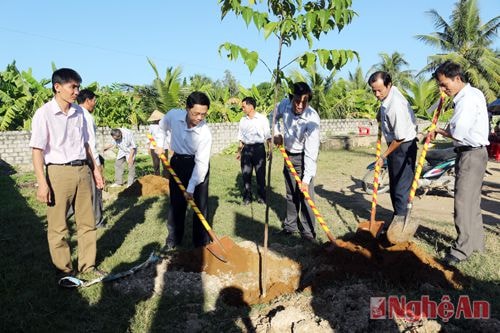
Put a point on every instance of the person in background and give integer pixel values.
(127, 150)
(299, 134)
(87, 100)
(64, 165)
(400, 132)
(191, 141)
(161, 139)
(468, 127)
(253, 132)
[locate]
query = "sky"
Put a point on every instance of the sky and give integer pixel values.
(110, 41)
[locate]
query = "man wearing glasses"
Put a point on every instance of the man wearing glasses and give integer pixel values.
(191, 142)
(299, 133)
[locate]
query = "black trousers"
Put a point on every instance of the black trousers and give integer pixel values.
(183, 167)
(157, 162)
(401, 166)
(253, 157)
(296, 203)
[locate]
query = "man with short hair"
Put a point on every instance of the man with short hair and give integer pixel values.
(299, 133)
(253, 131)
(87, 100)
(127, 150)
(59, 141)
(468, 127)
(191, 141)
(400, 130)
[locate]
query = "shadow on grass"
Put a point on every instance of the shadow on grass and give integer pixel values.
(31, 300)
(133, 213)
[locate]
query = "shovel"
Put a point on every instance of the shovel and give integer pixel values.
(216, 247)
(372, 226)
(403, 228)
(316, 213)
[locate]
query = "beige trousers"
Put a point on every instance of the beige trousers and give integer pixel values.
(70, 184)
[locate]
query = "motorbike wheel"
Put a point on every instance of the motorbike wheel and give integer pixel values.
(383, 178)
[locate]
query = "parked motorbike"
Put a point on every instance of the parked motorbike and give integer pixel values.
(438, 173)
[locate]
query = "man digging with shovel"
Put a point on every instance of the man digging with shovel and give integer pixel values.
(400, 130)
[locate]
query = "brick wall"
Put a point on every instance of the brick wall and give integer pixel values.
(14, 147)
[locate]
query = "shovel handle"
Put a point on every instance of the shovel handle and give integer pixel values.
(183, 189)
(315, 210)
(421, 160)
(376, 174)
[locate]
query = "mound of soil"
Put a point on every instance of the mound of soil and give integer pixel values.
(197, 274)
(150, 185)
(287, 271)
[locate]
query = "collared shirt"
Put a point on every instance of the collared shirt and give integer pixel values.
(300, 134)
(398, 119)
(91, 129)
(254, 130)
(195, 141)
(62, 137)
(125, 145)
(469, 123)
(162, 138)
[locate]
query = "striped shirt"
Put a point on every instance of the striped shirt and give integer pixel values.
(300, 134)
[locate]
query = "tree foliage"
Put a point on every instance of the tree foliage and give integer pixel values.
(467, 41)
(288, 21)
(20, 95)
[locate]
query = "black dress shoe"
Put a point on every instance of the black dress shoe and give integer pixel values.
(451, 260)
(261, 201)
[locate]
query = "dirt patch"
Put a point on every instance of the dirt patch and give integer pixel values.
(150, 185)
(240, 279)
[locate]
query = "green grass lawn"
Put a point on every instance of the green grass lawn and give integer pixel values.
(31, 301)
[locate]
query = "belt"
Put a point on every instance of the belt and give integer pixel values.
(183, 156)
(254, 144)
(72, 163)
(293, 154)
(461, 149)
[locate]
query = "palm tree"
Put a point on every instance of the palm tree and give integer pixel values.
(393, 64)
(320, 85)
(357, 80)
(421, 94)
(167, 89)
(466, 41)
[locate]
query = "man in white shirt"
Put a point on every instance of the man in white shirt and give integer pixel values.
(87, 100)
(127, 150)
(299, 133)
(59, 142)
(252, 133)
(400, 130)
(191, 141)
(161, 140)
(468, 127)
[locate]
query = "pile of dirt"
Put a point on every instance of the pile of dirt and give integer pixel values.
(150, 185)
(287, 272)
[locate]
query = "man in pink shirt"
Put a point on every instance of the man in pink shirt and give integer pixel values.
(63, 166)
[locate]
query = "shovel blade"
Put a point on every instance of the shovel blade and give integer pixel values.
(401, 229)
(373, 230)
(219, 248)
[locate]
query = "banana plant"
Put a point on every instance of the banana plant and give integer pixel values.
(20, 95)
